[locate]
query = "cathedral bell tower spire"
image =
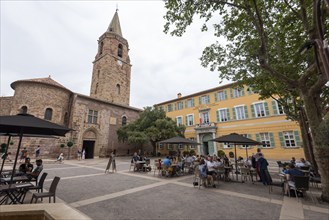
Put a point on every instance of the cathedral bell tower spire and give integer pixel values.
(111, 67)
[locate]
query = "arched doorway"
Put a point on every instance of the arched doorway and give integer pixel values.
(88, 143)
(207, 146)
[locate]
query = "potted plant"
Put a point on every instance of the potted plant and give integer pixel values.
(69, 144)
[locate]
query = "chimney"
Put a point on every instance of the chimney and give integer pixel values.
(179, 95)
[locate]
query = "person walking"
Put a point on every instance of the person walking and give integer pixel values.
(109, 163)
(37, 152)
(79, 154)
(114, 166)
(83, 154)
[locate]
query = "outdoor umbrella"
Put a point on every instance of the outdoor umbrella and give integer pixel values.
(236, 139)
(27, 125)
(178, 140)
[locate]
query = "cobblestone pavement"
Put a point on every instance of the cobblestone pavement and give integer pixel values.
(133, 195)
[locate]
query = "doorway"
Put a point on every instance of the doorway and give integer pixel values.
(89, 149)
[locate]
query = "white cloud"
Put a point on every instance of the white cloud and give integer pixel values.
(41, 38)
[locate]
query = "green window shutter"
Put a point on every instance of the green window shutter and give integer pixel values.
(217, 115)
(249, 136)
(225, 94)
(231, 91)
(252, 110)
(267, 112)
(246, 111)
(274, 107)
(258, 138)
(297, 138)
(282, 142)
(216, 97)
(185, 103)
(242, 91)
(272, 139)
(228, 114)
(234, 114)
(186, 121)
(193, 102)
(208, 99)
(174, 106)
(199, 100)
(222, 145)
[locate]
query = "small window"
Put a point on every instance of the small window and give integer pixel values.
(160, 146)
(92, 117)
(120, 48)
(101, 48)
(180, 146)
(118, 89)
(179, 120)
(48, 114)
(24, 109)
(124, 120)
(170, 147)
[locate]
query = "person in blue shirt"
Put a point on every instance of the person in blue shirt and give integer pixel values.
(166, 162)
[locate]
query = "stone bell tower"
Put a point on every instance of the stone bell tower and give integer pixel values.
(111, 70)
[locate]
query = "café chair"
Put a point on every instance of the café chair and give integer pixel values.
(300, 184)
(39, 186)
(51, 193)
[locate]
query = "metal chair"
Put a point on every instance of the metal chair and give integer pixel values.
(300, 184)
(245, 174)
(132, 165)
(51, 193)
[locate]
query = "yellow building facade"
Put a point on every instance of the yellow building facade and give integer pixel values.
(226, 109)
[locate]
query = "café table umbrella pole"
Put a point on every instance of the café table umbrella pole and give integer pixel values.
(236, 163)
(17, 152)
(5, 154)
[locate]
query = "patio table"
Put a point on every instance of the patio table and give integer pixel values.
(13, 193)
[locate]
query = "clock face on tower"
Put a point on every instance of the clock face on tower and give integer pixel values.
(119, 62)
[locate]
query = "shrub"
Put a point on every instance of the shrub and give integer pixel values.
(70, 143)
(221, 153)
(62, 145)
(231, 154)
(3, 147)
(192, 152)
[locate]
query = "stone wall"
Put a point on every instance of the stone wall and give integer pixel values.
(5, 105)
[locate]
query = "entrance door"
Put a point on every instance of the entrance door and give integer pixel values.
(89, 148)
(208, 145)
(205, 148)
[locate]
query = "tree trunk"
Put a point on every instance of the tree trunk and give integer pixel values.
(320, 148)
(307, 140)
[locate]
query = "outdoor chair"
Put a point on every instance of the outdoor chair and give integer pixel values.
(39, 186)
(220, 173)
(245, 174)
(280, 165)
(315, 180)
(51, 193)
(198, 179)
(132, 165)
(300, 184)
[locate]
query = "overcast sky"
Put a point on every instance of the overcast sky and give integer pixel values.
(59, 38)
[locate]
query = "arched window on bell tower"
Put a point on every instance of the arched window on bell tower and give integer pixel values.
(120, 49)
(48, 114)
(101, 48)
(118, 89)
(124, 120)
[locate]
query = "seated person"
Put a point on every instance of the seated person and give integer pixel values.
(135, 158)
(25, 167)
(205, 175)
(293, 160)
(166, 162)
(248, 162)
(289, 176)
(218, 163)
(303, 163)
(211, 168)
(35, 173)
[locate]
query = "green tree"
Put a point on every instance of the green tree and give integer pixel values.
(261, 45)
(152, 126)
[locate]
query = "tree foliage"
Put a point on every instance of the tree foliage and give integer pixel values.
(152, 126)
(263, 41)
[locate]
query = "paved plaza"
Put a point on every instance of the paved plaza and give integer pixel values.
(137, 195)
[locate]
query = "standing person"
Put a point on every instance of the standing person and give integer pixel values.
(83, 154)
(37, 152)
(114, 166)
(107, 169)
(79, 154)
(36, 172)
(257, 156)
(264, 174)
